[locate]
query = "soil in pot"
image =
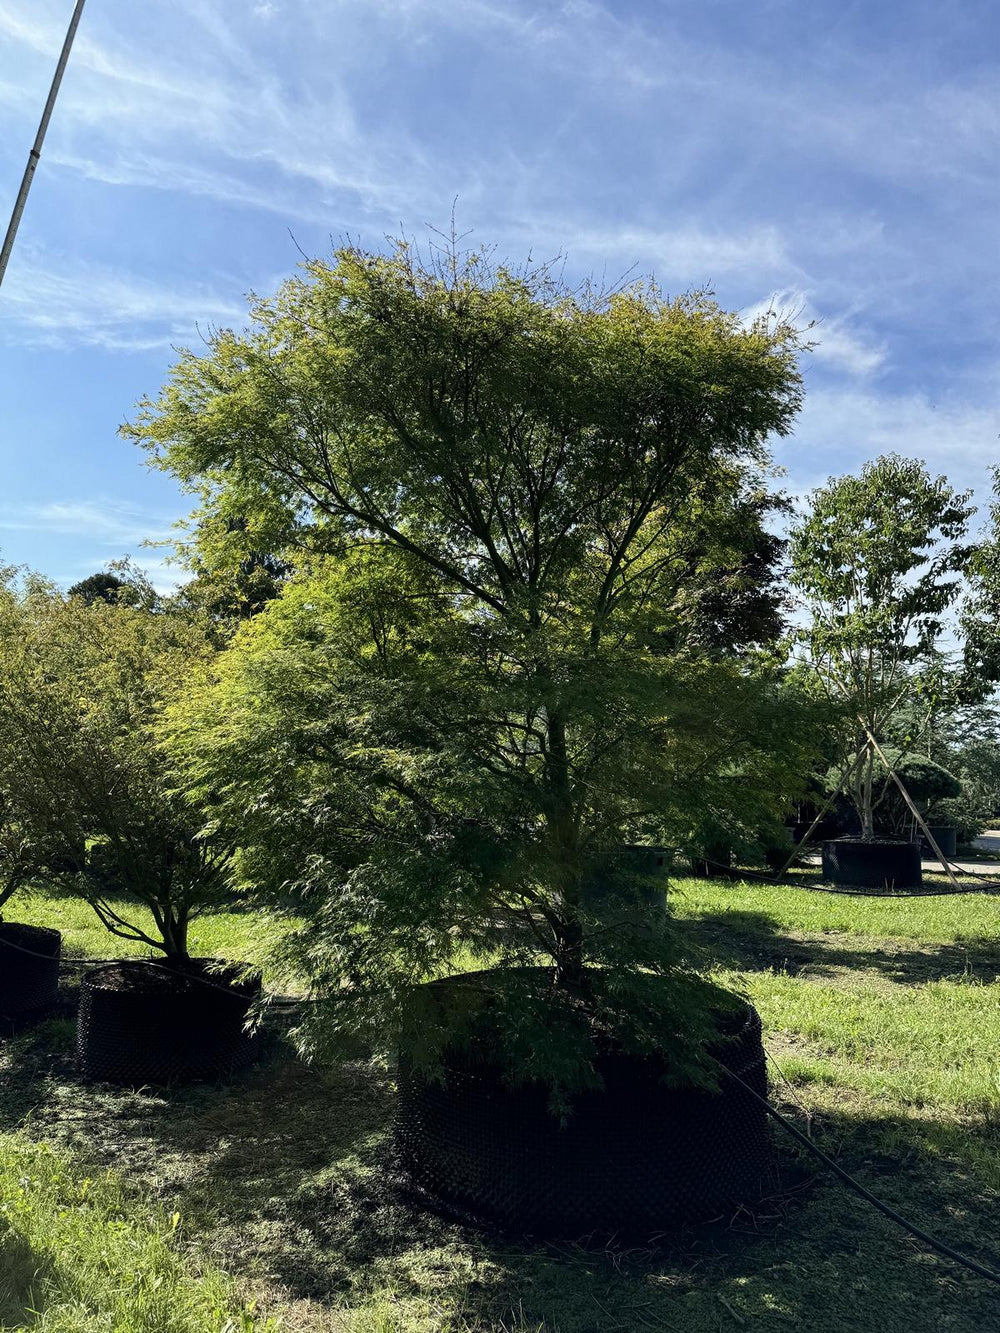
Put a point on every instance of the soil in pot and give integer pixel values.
(145, 1023)
(29, 972)
(631, 1158)
(880, 864)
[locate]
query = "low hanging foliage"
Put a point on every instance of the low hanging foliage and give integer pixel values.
(525, 631)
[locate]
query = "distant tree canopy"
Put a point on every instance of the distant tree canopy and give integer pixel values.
(981, 614)
(531, 565)
(231, 581)
(103, 587)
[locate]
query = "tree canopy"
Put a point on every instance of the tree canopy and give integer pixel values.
(103, 586)
(528, 530)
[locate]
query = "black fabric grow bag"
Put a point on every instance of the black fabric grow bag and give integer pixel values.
(882, 864)
(946, 838)
(29, 971)
(630, 1159)
(141, 1023)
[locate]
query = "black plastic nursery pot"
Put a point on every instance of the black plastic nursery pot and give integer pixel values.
(946, 838)
(29, 971)
(145, 1023)
(631, 1158)
(714, 863)
(645, 902)
(882, 864)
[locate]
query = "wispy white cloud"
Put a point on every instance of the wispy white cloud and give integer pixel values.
(160, 173)
(876, 110)
(51, 301)
(215, 119)
(173, 122)
(836, 338)
(104, 523)
(842, 427)
(282, 119)
(695, 255)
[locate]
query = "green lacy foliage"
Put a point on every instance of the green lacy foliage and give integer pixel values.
(540, 1032)
(532, 579)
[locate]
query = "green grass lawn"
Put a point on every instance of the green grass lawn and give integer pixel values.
(215, 935)
(882, 1016)
(80, 1254)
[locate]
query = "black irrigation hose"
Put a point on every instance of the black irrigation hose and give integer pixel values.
(983, 874)
(866, 1194)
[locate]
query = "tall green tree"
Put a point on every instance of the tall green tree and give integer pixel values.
(981, 612)
(19, 850)
(878, 561)
(513, 507)
(20, 858)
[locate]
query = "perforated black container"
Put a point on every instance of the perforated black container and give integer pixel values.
(946, 838)
(880, 865)
(632, 1158)
(144, 1024)
(29, 971)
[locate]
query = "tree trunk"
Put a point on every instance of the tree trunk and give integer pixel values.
(175, 939)
(562, 826)
(867, 812)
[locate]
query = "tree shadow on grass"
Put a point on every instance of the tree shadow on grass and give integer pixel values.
(22, 1278)
(286, 1177)
(755, 942)
(827, 1263)
(242, 1160)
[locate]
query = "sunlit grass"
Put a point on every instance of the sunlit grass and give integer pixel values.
(81, 1254)
(237, 936)
(936, 1044)
(930, 920)
(882, 1015)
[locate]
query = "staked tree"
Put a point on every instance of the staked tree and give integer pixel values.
(878, 562)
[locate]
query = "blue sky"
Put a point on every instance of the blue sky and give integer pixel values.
(838, 156)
